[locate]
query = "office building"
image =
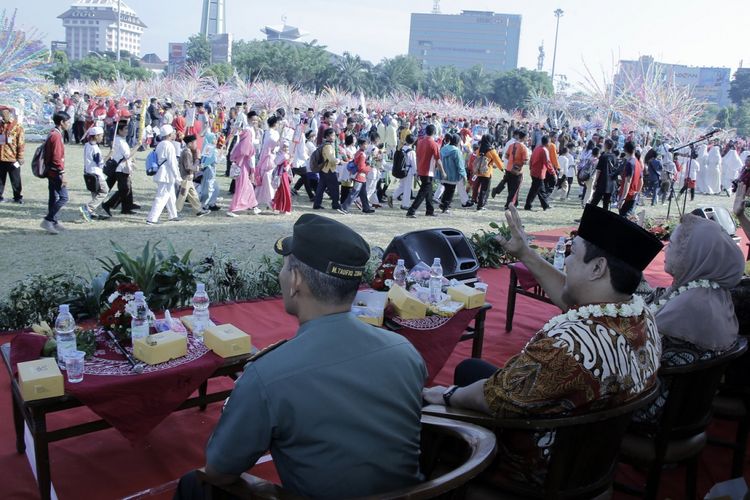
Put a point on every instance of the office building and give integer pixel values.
(91, 26)
(213, 18)
(464, 40)
(707, 84)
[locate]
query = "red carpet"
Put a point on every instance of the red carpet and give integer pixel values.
(103, 465)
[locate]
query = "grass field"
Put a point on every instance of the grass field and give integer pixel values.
(27, 249)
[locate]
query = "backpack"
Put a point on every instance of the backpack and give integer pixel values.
(152, 163)
(399, 164)
(615, 168)
(316, 159)
(38, 167)
(481, 165)
(586, 170)
(351, 167)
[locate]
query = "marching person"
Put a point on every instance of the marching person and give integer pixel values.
(93, 175)
(189, 161)
(54, 158)
(121, 154)
(166, 177)
(12, 148)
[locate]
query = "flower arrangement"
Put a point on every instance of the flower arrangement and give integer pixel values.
(384, 274)
(661, 229)
(625, 310)
(116, 318)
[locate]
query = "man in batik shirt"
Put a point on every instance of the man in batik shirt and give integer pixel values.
(603, 350)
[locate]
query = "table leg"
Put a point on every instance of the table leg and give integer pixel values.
(478, 342)
(19, 425)
(41, 453)
(202, 395)
(511, 309)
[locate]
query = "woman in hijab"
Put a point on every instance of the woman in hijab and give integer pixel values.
(695, 315)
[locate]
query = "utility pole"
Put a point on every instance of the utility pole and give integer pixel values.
(119, 9)
(558, 15)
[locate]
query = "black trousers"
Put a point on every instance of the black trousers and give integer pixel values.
(447, 198)
(328, 182)
(536, 190)
(605, 198)
(124, 193)
(471, 370)
(8, 170)
(192, 488)
(483, 191)
(424, 195)
(627, 207)
(304, 180)
(232, 143)
(514, 188)
(500, 185)
(78, 127)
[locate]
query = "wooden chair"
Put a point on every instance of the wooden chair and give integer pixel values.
(452, 453)
(679, 436)
(582, 458)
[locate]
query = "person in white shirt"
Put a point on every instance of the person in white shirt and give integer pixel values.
(166, 177)
(405, 184)
(121, 154)
(93, 175)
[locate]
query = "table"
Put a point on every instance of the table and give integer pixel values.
(522, 282)
(34, 415)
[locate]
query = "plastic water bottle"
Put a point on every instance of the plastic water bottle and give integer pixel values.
(399, 274)
(560, 254)
(200, 311)
(139, 321)
(65, 335)
(436, 281)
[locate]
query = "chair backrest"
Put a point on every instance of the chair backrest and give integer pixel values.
(452, 453)
(583, 454)
(687, 409)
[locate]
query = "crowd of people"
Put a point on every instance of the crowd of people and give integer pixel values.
(355, 159)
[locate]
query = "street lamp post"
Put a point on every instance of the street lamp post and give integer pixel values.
(558, 15)
(119, 5)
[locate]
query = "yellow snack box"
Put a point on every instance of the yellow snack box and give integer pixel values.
(470, 297)
(40, 379)
(369, 306)
(407, 305)
(160, 347)
(227, 340)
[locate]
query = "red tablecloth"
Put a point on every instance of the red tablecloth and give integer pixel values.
(132, 403)
(434, 337)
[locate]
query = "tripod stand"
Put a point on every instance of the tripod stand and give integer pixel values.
(693, 155)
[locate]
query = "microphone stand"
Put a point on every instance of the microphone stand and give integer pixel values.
(690, 145)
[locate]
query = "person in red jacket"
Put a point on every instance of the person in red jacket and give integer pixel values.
(360, 178)
(540, 167)
(428, 162)
(54, 159)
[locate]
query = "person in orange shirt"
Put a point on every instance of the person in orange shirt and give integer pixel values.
(540, 167)
(551, 181)
(633, 182)
(516, 157)
(483, 165)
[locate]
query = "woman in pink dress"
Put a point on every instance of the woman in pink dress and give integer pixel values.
(282, 201)
(264, 191)
(243, 154)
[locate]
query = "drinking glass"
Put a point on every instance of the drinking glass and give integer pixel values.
(74, 366)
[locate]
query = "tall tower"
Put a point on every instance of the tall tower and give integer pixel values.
(213, 19)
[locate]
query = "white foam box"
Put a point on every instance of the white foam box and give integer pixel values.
(189, 322)
(40, 379)
(227, 340)
(470, 297)
(160, 347)
(407, 305)
(369, 306)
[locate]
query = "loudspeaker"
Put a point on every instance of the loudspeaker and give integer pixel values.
(456, 253)
(719, 215)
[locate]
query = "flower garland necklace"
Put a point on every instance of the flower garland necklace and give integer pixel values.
(625, 310)
(684, 288)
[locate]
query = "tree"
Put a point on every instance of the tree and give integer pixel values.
(742, 119)
(397, 74)
(60, 67)
(725, 117)
(223, 72)
(198, 50)
(352, 73)
(739, 87)
(512, 88)
(477, 85)
(442, 81)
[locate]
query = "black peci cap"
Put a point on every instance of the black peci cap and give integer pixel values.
(327, 246)
(619, 237)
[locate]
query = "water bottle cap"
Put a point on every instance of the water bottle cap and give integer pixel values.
(436, 261)
(64, 308)
(138, 295)
(561, 240)
(400, 262)
(200, 288)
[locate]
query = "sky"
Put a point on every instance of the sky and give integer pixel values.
(593, 33)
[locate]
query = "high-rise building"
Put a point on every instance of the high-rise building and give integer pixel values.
(91, 26)
(467, 39)
(710, 85)
(213, 19)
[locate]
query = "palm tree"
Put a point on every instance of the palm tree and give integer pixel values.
(352, 73)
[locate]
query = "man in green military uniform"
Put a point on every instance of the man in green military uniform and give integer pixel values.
(338, 405)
